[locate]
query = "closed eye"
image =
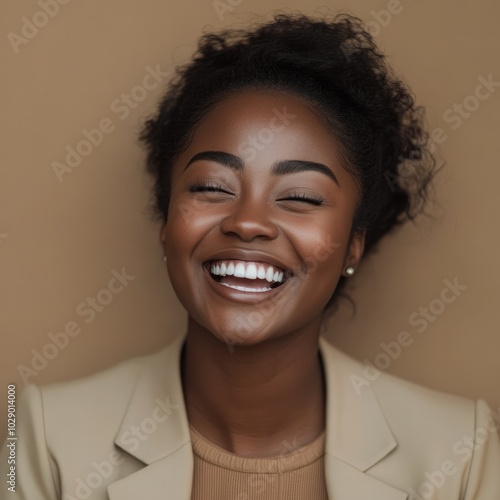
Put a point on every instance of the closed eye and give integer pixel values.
(199, 188)
(313, 200)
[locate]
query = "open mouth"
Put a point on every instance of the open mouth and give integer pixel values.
(245, 276)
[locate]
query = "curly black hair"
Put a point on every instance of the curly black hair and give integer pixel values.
(333, 64)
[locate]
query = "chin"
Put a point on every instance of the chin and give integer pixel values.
(239, 334)
(237, 331)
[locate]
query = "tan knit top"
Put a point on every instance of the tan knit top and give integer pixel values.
(221, 475)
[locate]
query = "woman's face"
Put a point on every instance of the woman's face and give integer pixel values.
(259, 219)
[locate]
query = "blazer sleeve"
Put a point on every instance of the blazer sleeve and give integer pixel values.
(484, 473)
(36, 472)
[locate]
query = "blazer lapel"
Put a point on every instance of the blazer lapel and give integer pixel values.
(357, 433)
(169, 477)
(345, 482)
(155, 431)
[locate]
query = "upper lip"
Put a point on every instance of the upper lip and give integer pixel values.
(251, 256)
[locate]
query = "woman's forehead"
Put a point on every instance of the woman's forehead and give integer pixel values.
(251, 123)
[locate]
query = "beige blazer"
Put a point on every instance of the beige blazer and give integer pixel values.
(123, 434)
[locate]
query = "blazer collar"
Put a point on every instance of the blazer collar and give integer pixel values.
(155, 430)
(357, 433)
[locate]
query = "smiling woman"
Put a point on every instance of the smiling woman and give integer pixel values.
(267, 215)
(280, 156)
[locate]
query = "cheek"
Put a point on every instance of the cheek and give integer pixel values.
(322, 244)
(178, 246)
(192, 218)
(184, 221)
(186, 227)
(322, 248)
(179, 237)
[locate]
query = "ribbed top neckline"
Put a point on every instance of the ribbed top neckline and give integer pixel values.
(285, 462)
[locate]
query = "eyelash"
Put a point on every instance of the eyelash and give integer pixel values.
(197, 188)
(313, 200)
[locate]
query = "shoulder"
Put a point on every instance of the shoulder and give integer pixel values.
(100, 399)
(453, 441)
(394, 394)
(67, 430)
(442, 441)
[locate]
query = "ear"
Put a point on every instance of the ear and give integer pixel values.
(355, 249)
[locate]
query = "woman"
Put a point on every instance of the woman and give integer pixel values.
(281, 156)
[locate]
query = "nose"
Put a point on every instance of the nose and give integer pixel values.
(249, 220)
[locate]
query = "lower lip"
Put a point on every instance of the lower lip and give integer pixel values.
(239, 295)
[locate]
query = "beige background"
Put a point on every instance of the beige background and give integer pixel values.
(59, 241)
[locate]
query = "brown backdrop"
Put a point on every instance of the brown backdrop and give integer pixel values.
(73, 213)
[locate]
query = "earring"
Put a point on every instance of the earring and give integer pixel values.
(164, 258)
(350, 271)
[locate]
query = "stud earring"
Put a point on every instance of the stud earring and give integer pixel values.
(350, 271)
(164, 258)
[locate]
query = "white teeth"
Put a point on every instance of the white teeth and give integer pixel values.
(269, 274)
(247, 270)
(245, 289)
(239, 270)
(251, 272)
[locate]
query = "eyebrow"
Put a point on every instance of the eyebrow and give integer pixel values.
(293, 166)
(282, 167)
(226, 159)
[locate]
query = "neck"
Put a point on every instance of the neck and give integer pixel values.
(260, 400)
